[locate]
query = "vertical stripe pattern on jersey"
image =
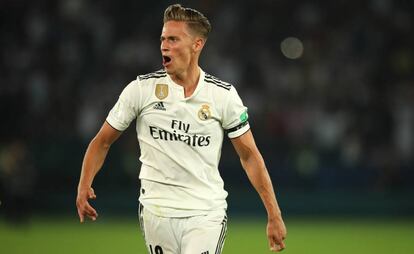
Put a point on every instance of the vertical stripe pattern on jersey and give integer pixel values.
(141, 219)
(222, 237)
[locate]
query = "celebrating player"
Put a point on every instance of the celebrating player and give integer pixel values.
(182, 115)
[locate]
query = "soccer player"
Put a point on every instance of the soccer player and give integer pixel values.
(182, 115)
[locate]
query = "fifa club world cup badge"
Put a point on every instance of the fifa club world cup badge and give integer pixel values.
(161, 91)
(204, 113)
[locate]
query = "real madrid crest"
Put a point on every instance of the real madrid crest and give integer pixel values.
(204, 113)
(161, 91)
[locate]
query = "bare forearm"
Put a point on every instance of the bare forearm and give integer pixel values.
(254, 165)
(94, 158)
(259, 177)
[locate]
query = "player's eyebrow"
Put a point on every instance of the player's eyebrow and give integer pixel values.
(168, 38)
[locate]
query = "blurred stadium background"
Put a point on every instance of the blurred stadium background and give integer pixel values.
(330, 91)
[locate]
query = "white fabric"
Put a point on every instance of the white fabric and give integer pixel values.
(180, 140)
(197, 234)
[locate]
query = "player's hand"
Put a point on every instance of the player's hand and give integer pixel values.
(84, 208)
(276, 233)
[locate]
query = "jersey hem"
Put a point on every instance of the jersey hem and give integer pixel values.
(112, 125)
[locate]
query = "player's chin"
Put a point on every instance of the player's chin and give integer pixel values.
(168, 70)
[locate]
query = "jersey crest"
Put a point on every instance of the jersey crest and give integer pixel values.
(204, 113)
(161, 91)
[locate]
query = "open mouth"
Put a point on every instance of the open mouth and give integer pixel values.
(166, 60)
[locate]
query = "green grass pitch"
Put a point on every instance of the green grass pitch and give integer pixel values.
(120, 235)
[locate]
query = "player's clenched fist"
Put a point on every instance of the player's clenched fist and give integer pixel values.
(276, 233)
(84, 208)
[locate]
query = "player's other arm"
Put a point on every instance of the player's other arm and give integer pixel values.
(94, 158)
(254, 165)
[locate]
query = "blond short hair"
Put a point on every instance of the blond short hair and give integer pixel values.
(195, 20)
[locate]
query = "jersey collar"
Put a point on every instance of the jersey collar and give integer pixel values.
(198, 87)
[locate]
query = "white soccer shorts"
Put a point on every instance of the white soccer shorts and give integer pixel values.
(203, 234)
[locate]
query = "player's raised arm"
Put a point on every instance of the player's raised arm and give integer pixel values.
(94, 158)
(253, 163)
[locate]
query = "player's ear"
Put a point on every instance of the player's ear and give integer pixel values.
(198, 44)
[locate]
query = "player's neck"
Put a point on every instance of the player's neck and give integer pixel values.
(188, 79)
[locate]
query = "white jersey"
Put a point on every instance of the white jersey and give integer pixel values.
(180, 140)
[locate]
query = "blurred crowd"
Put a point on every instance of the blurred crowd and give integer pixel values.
(339, 115)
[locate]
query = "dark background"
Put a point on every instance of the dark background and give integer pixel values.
(335, 124)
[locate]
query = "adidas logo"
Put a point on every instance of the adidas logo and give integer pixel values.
(160, 106)
(206, 252)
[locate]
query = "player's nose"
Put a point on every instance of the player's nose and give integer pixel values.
(164, 46)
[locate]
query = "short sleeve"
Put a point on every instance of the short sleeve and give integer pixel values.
(235, 118)
(126, 108)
